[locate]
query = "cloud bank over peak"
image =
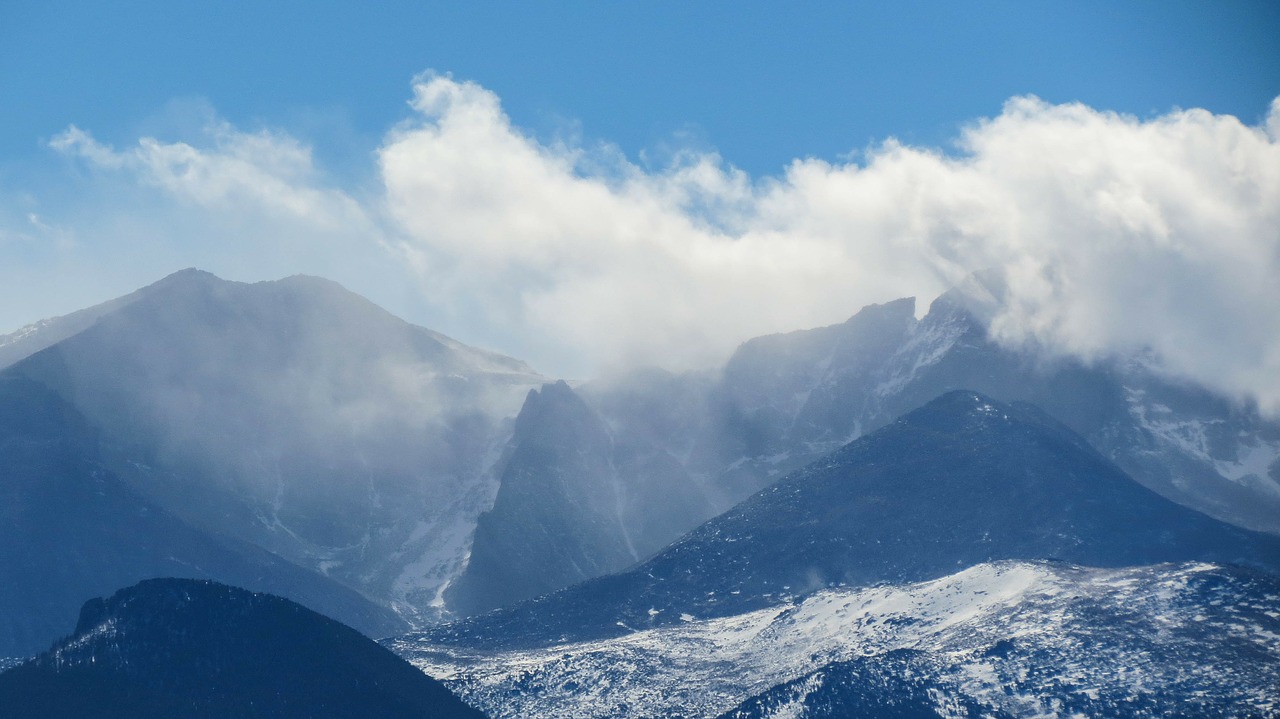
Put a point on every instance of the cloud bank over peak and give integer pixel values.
(1116, 233)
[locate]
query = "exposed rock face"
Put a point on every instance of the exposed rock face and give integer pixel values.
(557, 517)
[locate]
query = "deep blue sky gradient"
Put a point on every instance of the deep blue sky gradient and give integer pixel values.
(762, 82)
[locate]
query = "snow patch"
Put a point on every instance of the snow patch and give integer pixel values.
(1253, 456)
(706, 667)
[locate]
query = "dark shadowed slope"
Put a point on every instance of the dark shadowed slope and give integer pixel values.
(172, 647)
(555, 521)
(961, 481)
(70, 529)
(567, 508)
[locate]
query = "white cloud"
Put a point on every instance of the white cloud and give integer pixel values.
(1117, 232)
(245, 205)
(260, 172)
(618, 264)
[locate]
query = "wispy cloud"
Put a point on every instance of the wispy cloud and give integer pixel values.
(259, 172)
(1116, 232)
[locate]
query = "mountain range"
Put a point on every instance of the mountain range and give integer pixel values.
(962, 481)
(952, 563)
(684, 448)
(619, 546)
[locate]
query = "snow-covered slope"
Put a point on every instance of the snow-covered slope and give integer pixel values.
(916, 572)
(1200, 449)
(1004, 639)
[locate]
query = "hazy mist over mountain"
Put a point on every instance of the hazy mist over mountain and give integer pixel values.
(296, 416)
(579, 260)
(903, 359)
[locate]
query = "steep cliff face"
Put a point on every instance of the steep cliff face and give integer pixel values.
(559, 516)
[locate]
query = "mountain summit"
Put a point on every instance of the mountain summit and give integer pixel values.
(296, 416)
(701, 442)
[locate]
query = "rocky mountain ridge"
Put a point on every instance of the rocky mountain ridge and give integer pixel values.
(962, 481)
(687, 447)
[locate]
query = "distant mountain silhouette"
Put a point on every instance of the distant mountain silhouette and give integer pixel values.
(185, 648)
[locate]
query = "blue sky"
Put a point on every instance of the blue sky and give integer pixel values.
(580, 184)
(763, 83)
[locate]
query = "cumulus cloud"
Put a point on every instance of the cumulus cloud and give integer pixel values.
(623, 265)
(1116, 233)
